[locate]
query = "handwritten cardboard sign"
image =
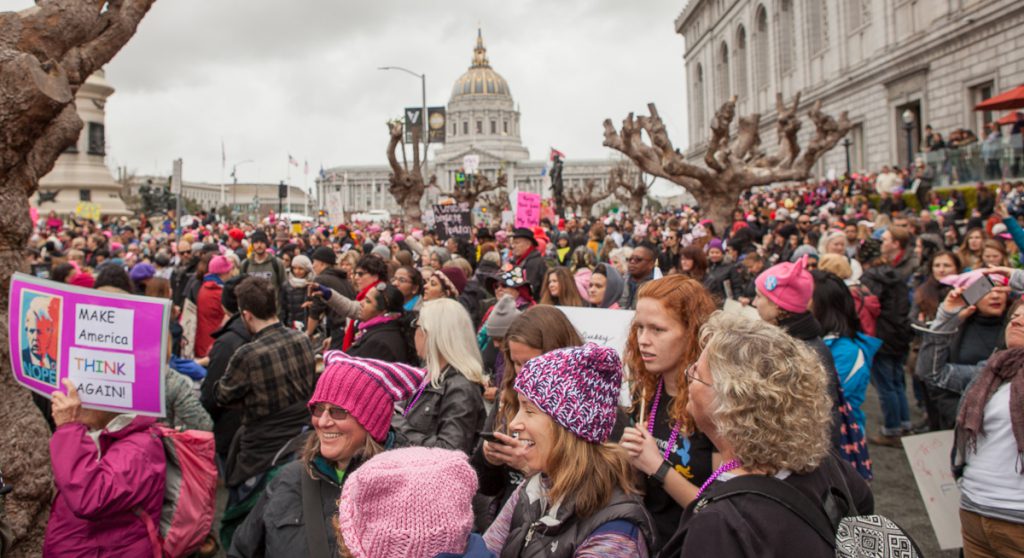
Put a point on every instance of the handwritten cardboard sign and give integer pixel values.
(929, 460)
(111, 345)
(455, 219)
(527, 209)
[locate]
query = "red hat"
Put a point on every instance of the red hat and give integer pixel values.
(236, 234)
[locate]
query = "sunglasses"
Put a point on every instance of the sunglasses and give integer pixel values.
(636, 259)
(336, 413)
(360, 273)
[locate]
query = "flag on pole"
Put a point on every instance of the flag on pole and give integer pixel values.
(323, 173)
(556, 153)
(223, 155)
(305, 168)
(292, 161)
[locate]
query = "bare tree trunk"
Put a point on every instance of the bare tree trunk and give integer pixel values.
(406, 184)
(46, 53)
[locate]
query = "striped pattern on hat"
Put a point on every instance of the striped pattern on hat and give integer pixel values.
(366, 388)
(577, 387)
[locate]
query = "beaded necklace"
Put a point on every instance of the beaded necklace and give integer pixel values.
(654, 412)
(721, 470)
(417, 398)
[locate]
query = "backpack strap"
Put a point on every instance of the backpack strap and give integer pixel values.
(313, 517)
(151, 531)
(783, 494)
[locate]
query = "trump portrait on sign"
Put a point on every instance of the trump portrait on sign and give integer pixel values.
(40, 336)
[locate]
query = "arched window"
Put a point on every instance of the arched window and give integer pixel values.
(722, 73)
(787, 36)
(761, 48)
(698, 102)
(739, 57)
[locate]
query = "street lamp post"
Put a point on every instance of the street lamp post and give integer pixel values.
(846, 146)
(908, 126)
(423, 114)
(234, 179)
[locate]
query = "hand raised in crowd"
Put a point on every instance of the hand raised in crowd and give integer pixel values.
(954, 303)
(998, 270)
(642, 450)
(510, 452)
(65, 408)
(318, 290)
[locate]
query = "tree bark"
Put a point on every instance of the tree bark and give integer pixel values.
(477, 185)
(587, 196)
(406, 183)
(630, 187)
(46, 53)
(732, 165)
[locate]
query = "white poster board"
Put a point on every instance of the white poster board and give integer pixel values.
(609, 328)
(929, 460)
(335, 207)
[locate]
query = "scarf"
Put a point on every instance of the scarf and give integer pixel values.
(350, 331)
(297, 282)
(1002, 367)
(521, 259)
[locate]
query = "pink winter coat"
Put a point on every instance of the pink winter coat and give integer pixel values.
(92, 513)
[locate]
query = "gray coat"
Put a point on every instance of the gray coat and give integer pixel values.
(448, 416)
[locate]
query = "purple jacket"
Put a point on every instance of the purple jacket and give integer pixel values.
(92, 513)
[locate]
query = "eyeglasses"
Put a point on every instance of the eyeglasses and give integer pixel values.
(401, 280)
(636, 259)
(336, 413)
(691, 375)
(360, 273)
(803, 222)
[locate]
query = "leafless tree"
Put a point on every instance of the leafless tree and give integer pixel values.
(478, 184)
(587, 196)
(630, 186)
(46, 54)
(407, 183)
(733, 163)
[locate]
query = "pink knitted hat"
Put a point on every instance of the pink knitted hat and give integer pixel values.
(788, 285)
(366, 388)
(218, 265)
(408, 503)
(577, 387)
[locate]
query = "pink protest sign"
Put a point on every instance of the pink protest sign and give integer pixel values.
(527, 209)
(111, 345)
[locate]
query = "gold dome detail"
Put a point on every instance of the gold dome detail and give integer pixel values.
(480, 79)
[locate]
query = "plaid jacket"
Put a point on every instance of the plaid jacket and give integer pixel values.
(273, 371)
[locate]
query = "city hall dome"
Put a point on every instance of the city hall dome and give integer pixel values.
(480, 79)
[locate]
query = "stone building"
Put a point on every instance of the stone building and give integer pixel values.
(251, 198)
(483, 120)
(876, 59)
(80, 175)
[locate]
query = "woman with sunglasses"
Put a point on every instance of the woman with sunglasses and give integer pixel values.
(350, 412)
(447, 410)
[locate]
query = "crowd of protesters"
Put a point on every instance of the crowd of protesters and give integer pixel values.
(423, 396)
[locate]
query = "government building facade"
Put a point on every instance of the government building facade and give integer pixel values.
(882, 61)
(482, 119)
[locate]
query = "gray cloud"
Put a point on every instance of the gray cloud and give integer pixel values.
(300, 77)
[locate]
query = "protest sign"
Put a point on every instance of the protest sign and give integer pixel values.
(111, 345)
(454, 219)
(88, 210)
(929, 460)
(334, 204)
(527, 209)
(608, 328)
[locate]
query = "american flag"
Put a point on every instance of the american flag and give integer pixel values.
(292, 161)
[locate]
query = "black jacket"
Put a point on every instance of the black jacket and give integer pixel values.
(749, 525)
(226, 340)
(476, 300)
(338, 280)
(386, 341)
(534, 269)
(448, 416)
(893, 324)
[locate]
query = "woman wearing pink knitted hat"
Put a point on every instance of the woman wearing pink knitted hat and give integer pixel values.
(784, 293)
(410, 503)
(350, 412)
(584, 501)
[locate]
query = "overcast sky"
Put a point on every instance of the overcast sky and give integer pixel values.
(300, 77)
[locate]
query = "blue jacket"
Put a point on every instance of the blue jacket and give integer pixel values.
(853, 359)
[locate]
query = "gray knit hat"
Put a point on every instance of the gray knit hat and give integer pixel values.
(504, 313)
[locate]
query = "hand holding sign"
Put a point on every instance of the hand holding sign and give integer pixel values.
(65, 408)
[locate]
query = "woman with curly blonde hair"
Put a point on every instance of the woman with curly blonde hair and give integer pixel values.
(663, 341)
(761, 396)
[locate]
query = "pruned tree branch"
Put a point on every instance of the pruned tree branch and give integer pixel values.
(477, 185)
(734, 163)
(406, 184)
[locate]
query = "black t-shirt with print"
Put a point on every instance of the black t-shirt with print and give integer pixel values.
(691, 458)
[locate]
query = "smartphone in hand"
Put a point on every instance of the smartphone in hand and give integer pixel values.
(977, 290)
(490, 437)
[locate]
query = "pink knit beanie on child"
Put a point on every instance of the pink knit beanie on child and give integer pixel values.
(408, 503)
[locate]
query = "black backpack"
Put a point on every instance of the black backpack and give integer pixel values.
(852, 536)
